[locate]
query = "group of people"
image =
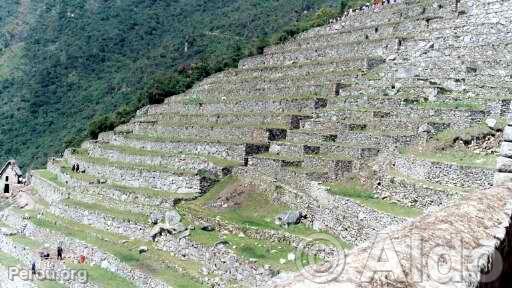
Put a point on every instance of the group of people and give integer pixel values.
(45, 255)
(75, 168)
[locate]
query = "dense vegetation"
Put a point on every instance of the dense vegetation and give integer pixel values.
(65, 63)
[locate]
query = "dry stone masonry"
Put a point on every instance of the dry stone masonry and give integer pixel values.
(336, 105)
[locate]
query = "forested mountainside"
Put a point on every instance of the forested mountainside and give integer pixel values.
(65, 62)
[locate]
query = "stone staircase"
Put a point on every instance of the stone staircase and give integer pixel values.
(335, 103)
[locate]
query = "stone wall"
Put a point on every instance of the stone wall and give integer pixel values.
(444, 173)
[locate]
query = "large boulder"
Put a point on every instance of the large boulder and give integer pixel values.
(155, 218)
(290, 218)
(172, 217)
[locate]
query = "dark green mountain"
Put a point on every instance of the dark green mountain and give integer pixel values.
(65, 62)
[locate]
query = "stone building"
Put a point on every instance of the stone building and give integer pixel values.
(11, 178)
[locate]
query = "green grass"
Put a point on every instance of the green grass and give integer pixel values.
(449, 136)
(122, 215)
(361, 195)
(7, 260)
(452, 105)
(102, 277)
(82, 154)
(256, 211)
(153, 262)
(26, 241)
(54, 284)
(49, 176)
(457, 156)
(277, 157)
(158, 153)
(146, 191)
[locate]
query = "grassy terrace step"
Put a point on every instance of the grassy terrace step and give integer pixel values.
(455, 156)
(255, 212)
(353, 25)
(134, 201)
(238, 87)
(129, 150)
(437, 29)
(102, 208)
(348, 63)
(159, 264)
(361, 195)
(83, 156)
(96, 275)
(263, 60)
(278, 73)
(89, 182)
(231, 150)
(296, 104)
(245, 134)
(358, 36)
(199, 125)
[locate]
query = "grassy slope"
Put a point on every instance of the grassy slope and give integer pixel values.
(79, 59)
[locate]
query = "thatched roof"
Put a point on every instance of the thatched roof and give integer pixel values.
(475, 225)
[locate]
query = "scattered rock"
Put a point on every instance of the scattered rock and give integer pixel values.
(155, 218)
(491, 123)
(143, 249)
(290, 218)
(282, 261)
(425, 128)
(208, 227)
(172, 217)
(7, 231)
(222, 243)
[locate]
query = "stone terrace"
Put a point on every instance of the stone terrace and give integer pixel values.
(336, 103)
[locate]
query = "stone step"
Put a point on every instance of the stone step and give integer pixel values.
(423, 26)
(344, 65)
(242, 134)
(389, 125)
(238, 86)
(399, 16)
(387, 15)
(83, 183)
(138, 175)
(474, 113)
(339, 215)
(101, 248)
(130, 199)
(224, 119)
(192, 162)
(363, 139)
(227, 150)
(22, 252)
(297, 104)
(291, 71)
(415, 192)
(454, 45)
(444, 174)
(300, 149)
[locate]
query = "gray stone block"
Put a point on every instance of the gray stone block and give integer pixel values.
(507, 134)
(506, 149)
(501, 179)
(504, 164)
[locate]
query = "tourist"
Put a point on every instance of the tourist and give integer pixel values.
(33, 267)
(77, 167)
(59, 252)
(73, 168)
(82, 259)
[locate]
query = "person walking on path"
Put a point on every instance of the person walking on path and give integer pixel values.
(59, 252)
